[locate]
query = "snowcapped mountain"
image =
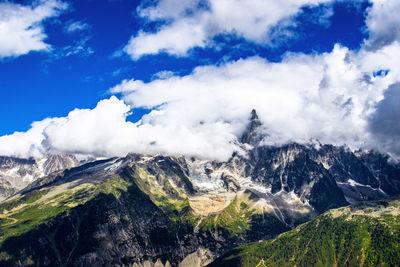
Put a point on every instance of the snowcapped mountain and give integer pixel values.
(16, 173)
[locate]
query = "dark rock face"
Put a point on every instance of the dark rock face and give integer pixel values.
(250, 136)
(346, 165)
(290, 168)
(55, 163)
(328, 176)
(362, 175)
(385, 171)
(10, 162)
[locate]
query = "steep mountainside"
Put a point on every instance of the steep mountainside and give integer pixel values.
(365, 234)
(16, 173)
(122, 211)
(141, 209)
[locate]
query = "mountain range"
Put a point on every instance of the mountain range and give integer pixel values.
(160, 210)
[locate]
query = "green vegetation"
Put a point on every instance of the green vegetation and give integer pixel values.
(113, 185)
(24, 213)
(25, 199)
(172, 207)
(235, 218)
(170, 199)
(342, 237)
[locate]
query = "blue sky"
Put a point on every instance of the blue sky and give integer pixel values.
(92, 46)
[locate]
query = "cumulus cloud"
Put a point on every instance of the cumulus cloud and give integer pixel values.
(105, 131)
(194, 23)
(328, 97)
(334, 97)
(21, 29)
(384, 123)
(382, 25)
(25, 144)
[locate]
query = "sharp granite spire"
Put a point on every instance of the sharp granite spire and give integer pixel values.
(251, 135)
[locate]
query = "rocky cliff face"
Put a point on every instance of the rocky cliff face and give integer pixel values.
(154, 209)
(16, 173)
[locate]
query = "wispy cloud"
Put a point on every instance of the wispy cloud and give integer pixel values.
(76, 26)
(79, 47)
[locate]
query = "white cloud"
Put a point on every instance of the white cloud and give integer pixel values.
(79, 47)
(21, 29)
(383, 23)
(330, 97)
(189, 24)
(164, 74)
(104, 131)
(176, 39)
(384, 123)
(76, 26)
(24, 144)
(326, 97)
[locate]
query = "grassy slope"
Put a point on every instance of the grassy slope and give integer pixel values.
(235, 218)
(365, 235)
(23, 213)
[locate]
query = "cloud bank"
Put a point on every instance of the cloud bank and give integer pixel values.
(328, 97)
(334, 97)
(104, 131)
(21, 29)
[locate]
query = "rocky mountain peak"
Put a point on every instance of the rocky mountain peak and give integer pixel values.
(10, 162)
(254, 115)
(16, 173)
(251, 135)
(54, 163)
